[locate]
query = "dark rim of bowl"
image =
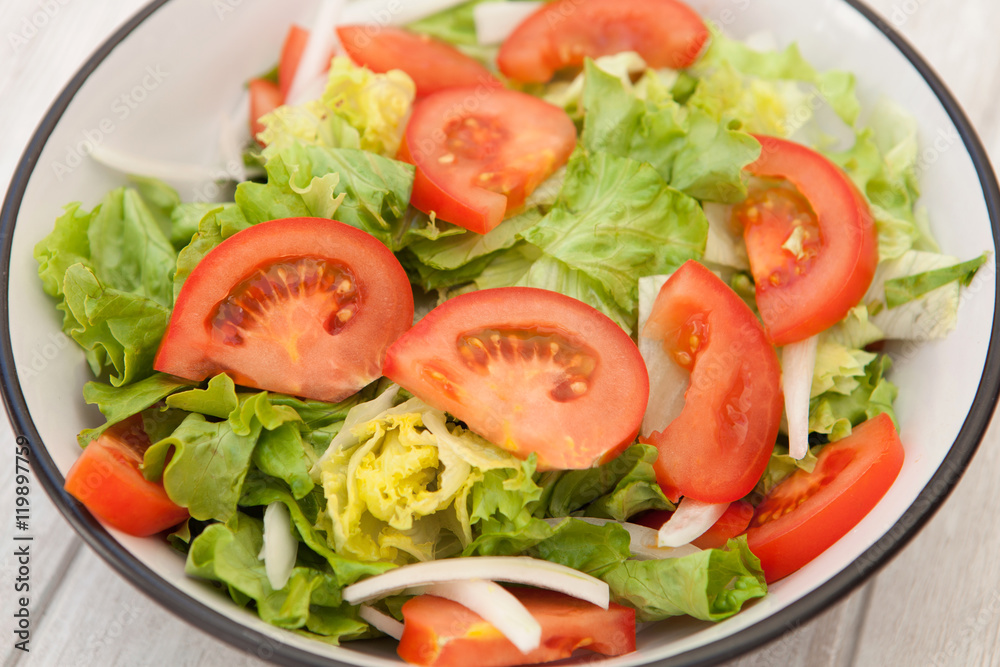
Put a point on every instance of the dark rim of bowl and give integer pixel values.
(265, 647)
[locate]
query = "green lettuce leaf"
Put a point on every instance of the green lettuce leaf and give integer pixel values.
(371, 192)
(359, 109)
(693, 152)
(624, 486)
(615, 220)
(835, 414)
(218, 399)
(119, 331)
(770, 92)
(710, 585)
(120, 403)
(311, 598)
(899, 291)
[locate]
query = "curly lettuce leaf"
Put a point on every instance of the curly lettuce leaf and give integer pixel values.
(618, 489)
(120, 403)
(692, 151)
(310, 600)
(710, 585)
(616, 219)
(359, 109)
(835, 414)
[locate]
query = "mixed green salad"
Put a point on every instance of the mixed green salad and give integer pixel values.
(383, 478)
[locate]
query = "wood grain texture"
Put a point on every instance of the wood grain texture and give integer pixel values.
(937, 603)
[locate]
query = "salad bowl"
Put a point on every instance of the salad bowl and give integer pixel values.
(148, 93)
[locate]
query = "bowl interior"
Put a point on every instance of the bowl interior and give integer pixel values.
(161, 93)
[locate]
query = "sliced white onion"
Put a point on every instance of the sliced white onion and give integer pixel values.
(798, 361)
(496, 605)
(316, 54)
(280, 546)
(513, 569)
(359, 414)
(127, 163)
(394, 12)
(496, 20)
(689, 522)
(382, 622)
(668, 382)
(643, 540)
(724, 246)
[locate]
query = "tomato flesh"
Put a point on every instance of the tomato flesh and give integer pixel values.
(432, 64)
(718, 447)
(733, 522)
(291, 54)
(265, 97)
(806, 284)
(303, 306)
(480, 152)
(807, 512)
(107, 480)
(666, 33)
(530, 370)
(443, 633)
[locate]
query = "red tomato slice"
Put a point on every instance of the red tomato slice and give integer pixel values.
(666, 33)
(530, 370)
(291, 54)
(443, 633)
(807, 512)
(106, 479)
(303, 306)
(479, 152)
(265, 97)
(718, 447)
(432, 64)
(801, 294)
(733, 522)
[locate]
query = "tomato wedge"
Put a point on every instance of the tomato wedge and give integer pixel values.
(291, 54)
(718, 447)
(480, 152)
(107, 480)
(806, 513)
(432, 64)
(303, 306)
(265, 97)
(666, 33)
(733, 522)
(811, 240)
(531, 370)
(443, 633)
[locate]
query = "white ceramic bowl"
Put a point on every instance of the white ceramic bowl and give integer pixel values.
(179, 62)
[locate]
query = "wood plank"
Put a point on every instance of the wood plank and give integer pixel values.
(97, 618)
(52, 547)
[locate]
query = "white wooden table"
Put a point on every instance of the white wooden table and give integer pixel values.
(938, 603)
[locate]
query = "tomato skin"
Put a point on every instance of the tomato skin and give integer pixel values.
(291, 54)
(443, 633)
(732, 523)
(718, 447)
(808, 512)
(507, 362)
(107, 480)
(265, 97)
(432, 64)
(457, 137)
(833, 281)
(294, 346)
(666, 33)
